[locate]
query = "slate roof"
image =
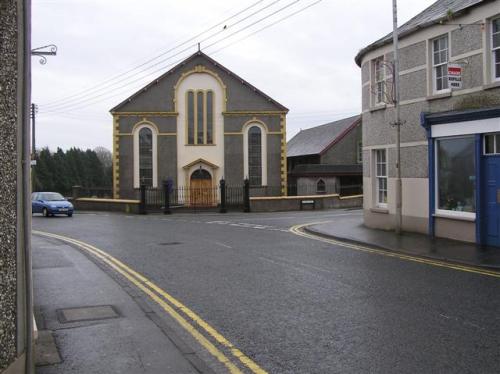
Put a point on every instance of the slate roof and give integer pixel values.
(214, 63)
(327, 169)
(318, 139)
(435, 13)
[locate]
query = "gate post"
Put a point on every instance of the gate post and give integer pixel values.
(223, 196)
(246, 196)
(142, 205)
(166, 203)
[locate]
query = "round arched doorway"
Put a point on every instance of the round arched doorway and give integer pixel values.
(202, 191)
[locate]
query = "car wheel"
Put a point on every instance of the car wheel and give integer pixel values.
(45, 212)
(70, 214)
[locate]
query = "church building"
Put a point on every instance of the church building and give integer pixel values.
(197, 124)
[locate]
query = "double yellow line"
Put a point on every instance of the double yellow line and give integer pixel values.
(299, 230)
(168, 303)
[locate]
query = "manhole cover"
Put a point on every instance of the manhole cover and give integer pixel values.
(90, 313)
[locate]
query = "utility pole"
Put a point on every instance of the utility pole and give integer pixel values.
(399, 187)
(34, 110)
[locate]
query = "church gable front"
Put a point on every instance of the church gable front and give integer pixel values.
(175, 129)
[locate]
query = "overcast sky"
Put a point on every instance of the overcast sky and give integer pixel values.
(305, 62)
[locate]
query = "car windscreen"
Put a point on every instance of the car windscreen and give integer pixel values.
(50, 196)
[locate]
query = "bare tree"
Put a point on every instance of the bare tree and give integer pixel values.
(104, 155)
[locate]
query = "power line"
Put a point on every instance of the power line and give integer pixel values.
(265, 27)
(113, 78)
(91, 99)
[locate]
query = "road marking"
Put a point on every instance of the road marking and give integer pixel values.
(298, 230)
(161, 297)
(223, 245)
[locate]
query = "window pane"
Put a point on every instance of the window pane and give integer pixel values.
(321, 186)
(255, 156)
(489, 144)
(199, 121)
(456, 174)
(210, 116)
(190, 118)
(496, 25)
(497, 63)
(496, 40)
(497, 143)
(146, 156)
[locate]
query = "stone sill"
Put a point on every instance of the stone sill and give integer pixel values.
(454, 217)
(438, 96)
(379, 210)
(378, 107)
(491, 85)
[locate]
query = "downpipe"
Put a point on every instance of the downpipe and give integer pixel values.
(26, 183)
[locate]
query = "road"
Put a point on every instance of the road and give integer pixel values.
(296, 305)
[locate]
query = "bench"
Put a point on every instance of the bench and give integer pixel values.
(311, 203)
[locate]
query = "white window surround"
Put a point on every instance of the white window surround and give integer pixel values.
(136, 153)
(263, 150)
(439, 66)
(495, 50)
(359, 152)
(378, 176)
(468, 216)
(379, 70)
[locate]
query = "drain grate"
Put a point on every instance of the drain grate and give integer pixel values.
(90, 313)
(170, 243)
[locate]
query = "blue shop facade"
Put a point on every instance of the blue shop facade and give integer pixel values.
(464, 173)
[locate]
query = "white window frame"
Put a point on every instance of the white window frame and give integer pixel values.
(379, 80)
(137, 182)
(359, 153)
(496, 150)
(263, 130)
(444, 212)
(378, 203)
(435, 65)
(494, 50)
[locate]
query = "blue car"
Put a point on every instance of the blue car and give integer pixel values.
(50, 204)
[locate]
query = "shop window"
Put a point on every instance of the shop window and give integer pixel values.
(456, 172)
(440, 63)
(381, 177)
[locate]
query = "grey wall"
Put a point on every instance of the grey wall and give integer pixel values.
(274, 160)
(160, 95)
(308, 185)
(293, 203)
(10, 183)
(126, 163)
(233, 160)
(345, 151)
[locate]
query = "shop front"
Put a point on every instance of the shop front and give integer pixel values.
(464, 175)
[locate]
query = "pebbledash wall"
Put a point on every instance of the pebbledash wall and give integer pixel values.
(469, 45)
(162, 107)
(12, 275)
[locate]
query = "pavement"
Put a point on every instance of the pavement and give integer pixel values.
(352, 229)
(89, 323)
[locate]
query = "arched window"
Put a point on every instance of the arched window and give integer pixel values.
(321, 186)
(200, 117)
(146, 156)
(255, 156)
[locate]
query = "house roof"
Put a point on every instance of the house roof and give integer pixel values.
(211, 61)
(434, 14)
(319, 139)
(326, 169)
